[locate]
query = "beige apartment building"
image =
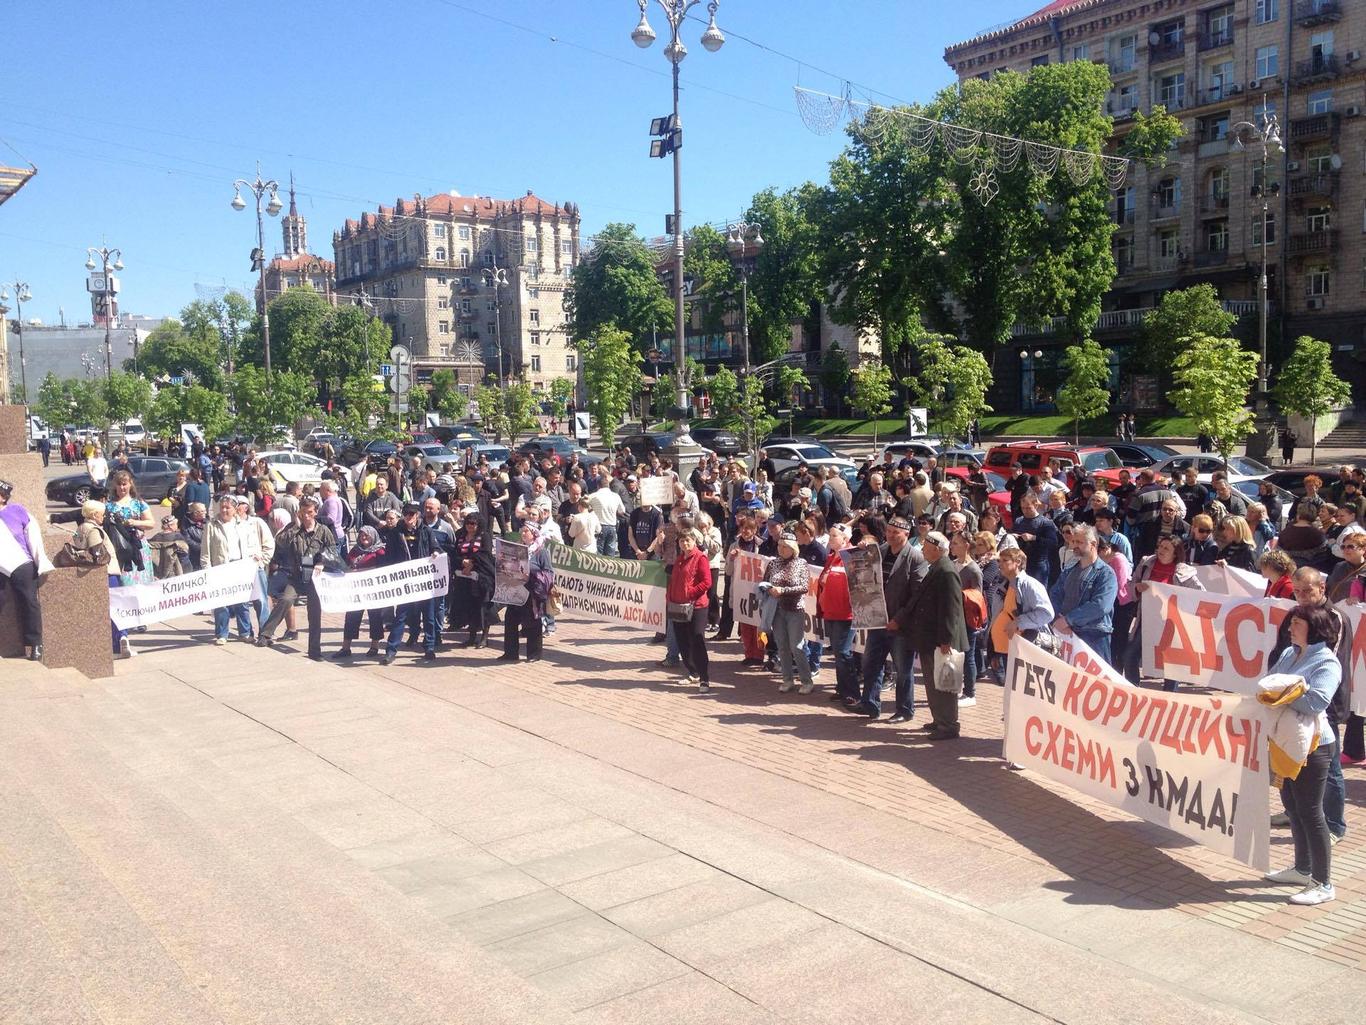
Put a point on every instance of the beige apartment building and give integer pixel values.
(469, 283)
(1217, 65)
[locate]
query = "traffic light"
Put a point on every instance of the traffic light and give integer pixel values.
(257, 259)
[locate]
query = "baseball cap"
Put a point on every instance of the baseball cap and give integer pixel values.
(749, 486)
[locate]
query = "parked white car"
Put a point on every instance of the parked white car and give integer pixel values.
(1206, 464)
(286, 466)
(792, 454)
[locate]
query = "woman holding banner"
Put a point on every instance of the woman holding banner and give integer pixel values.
(526, 618)
(1311, 658)
(1168, 566)
(366, 553)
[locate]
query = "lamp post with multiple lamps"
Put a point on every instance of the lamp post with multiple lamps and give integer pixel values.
(105, 284)
(744, 243)
(669, 142)
(496, 277)
(1266, 133)
(21, 296)
(259, 188)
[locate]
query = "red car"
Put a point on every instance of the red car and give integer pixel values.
(998, 496)
(1095, 462)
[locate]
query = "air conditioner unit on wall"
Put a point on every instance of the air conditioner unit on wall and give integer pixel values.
(1353, 56)
(1316, 302)
(1255, 84)
(1353, 111)
(1293, 166)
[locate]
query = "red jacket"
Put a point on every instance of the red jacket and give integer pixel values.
(691, 579)
(832, 591)
(1282, 588)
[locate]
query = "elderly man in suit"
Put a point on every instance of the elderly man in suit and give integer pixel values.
(937, 625)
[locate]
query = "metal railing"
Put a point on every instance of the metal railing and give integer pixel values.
(1325, 66)
(1322, 184)
(1317, 12)
(1313, 242)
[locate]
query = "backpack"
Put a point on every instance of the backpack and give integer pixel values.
(974, 608)
(348, 515)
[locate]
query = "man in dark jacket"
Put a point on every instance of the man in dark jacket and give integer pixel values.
(298, 549)
(937, 625)
(1038, 536)
(903, 569)
(412, 539)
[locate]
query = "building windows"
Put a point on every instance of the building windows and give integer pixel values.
(535, 316)
(1081, 52)
(491, 305)
(1124, 253)
(464, 232)
(571, 363)
(1268, 61)
(535, 338)
(1169, 245)
(533, 293)
(1126, 98)
(1216, 236)
(441, 254)
(1039, 61)
(443, 327)
(1318, 218)
(464, 257)
(1214, 128)
(465, 306)
(1219, 78)
(1168, 194)
(441, 279)
(536, 363)
(1318, 281)
(488, 257)
(1218, 185)
(1270, 228)
(1321, 47)
(1265, 11)
(1219, 26)
(1122, 54)
(465, 282)
(438, 231)
(531, 244)
(1171, 90)
(1319, 159)
(443, 303)
(1320, 102)
(566, 247)
(491, 327)
(1124, 206)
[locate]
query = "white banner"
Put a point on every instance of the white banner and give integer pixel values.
(398, 584)
(1355, 618)
(1230, 580)
(142, 604)
(656, 491)
(1080, 655)
(749, 570)
(1211, 640)
(1193, 764)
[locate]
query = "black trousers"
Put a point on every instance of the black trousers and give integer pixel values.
(692, 645)
(291, 590)
(380, 619)
(464, 607)
(519, 620)
(1303, 798)
(23, 584)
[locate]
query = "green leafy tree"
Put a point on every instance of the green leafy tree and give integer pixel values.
(756, 420)
(1307, 386)
(871, 391)
(71, 400)
(835, 374)
(787, 382)
(1185, 313)
(364, 406)
(492, 413)
(1085, 395)
(170, 352)
(520, 404)
(951, 382)
(561, 391)
(715, 282)
(611, 375)
(53, 401)
(445, 397)
(724, 390)
(786, 283)
(1212, 377)
(126, 396)
(615, 283)
(288, 398)
(188, 404)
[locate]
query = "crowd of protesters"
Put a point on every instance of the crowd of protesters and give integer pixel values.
(1057, 555)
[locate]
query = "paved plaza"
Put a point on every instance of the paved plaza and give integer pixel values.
(241, 835)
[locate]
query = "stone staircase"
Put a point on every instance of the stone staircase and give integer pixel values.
(1349, 434)
(152, 870)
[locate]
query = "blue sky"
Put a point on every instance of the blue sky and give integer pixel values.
(140, 115)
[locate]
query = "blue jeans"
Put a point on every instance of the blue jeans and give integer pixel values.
(241, 612)
(1335, 793)
(671, 649)
(1099, 640)
(841, 636)
(607, 540)
(880, 644)
(977, 640)
(813, 655)
(423, 611)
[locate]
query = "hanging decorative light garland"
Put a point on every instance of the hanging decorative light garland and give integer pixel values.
(984, 152)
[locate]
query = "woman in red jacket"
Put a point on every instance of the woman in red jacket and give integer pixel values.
(832, 602)
(689, 583)
(1278, 568)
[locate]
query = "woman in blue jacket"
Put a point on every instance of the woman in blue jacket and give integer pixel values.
(1311, 656)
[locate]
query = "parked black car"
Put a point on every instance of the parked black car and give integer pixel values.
(557, 446)
(644, 444)
(449, 434)
(355, 452)
(718, 440)
(1136, 456)
(153, 475)
(1291, 478)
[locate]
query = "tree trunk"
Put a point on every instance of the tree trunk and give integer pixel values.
(1313, 439)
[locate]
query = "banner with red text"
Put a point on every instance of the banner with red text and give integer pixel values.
(748, 570)
(230, 583)
(1211, 640)
(1193, 764)
(1355, 618)
(1231, 580)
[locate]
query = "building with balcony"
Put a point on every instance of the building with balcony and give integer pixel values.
(468, 283)
(1216, 65)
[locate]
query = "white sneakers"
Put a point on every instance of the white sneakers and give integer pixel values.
(125, 649)
(220, 641)
(967, 702)
(1289, 876)
(1314, 894)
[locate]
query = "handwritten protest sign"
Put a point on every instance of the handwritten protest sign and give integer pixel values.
(1194, 764)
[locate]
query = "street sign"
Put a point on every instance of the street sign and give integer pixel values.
(400, 354)
(582, 427)
(917, 421)
(387, 369)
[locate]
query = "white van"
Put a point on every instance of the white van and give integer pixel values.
(134, 433)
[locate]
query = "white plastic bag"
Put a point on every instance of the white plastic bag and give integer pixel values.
(948, 671)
